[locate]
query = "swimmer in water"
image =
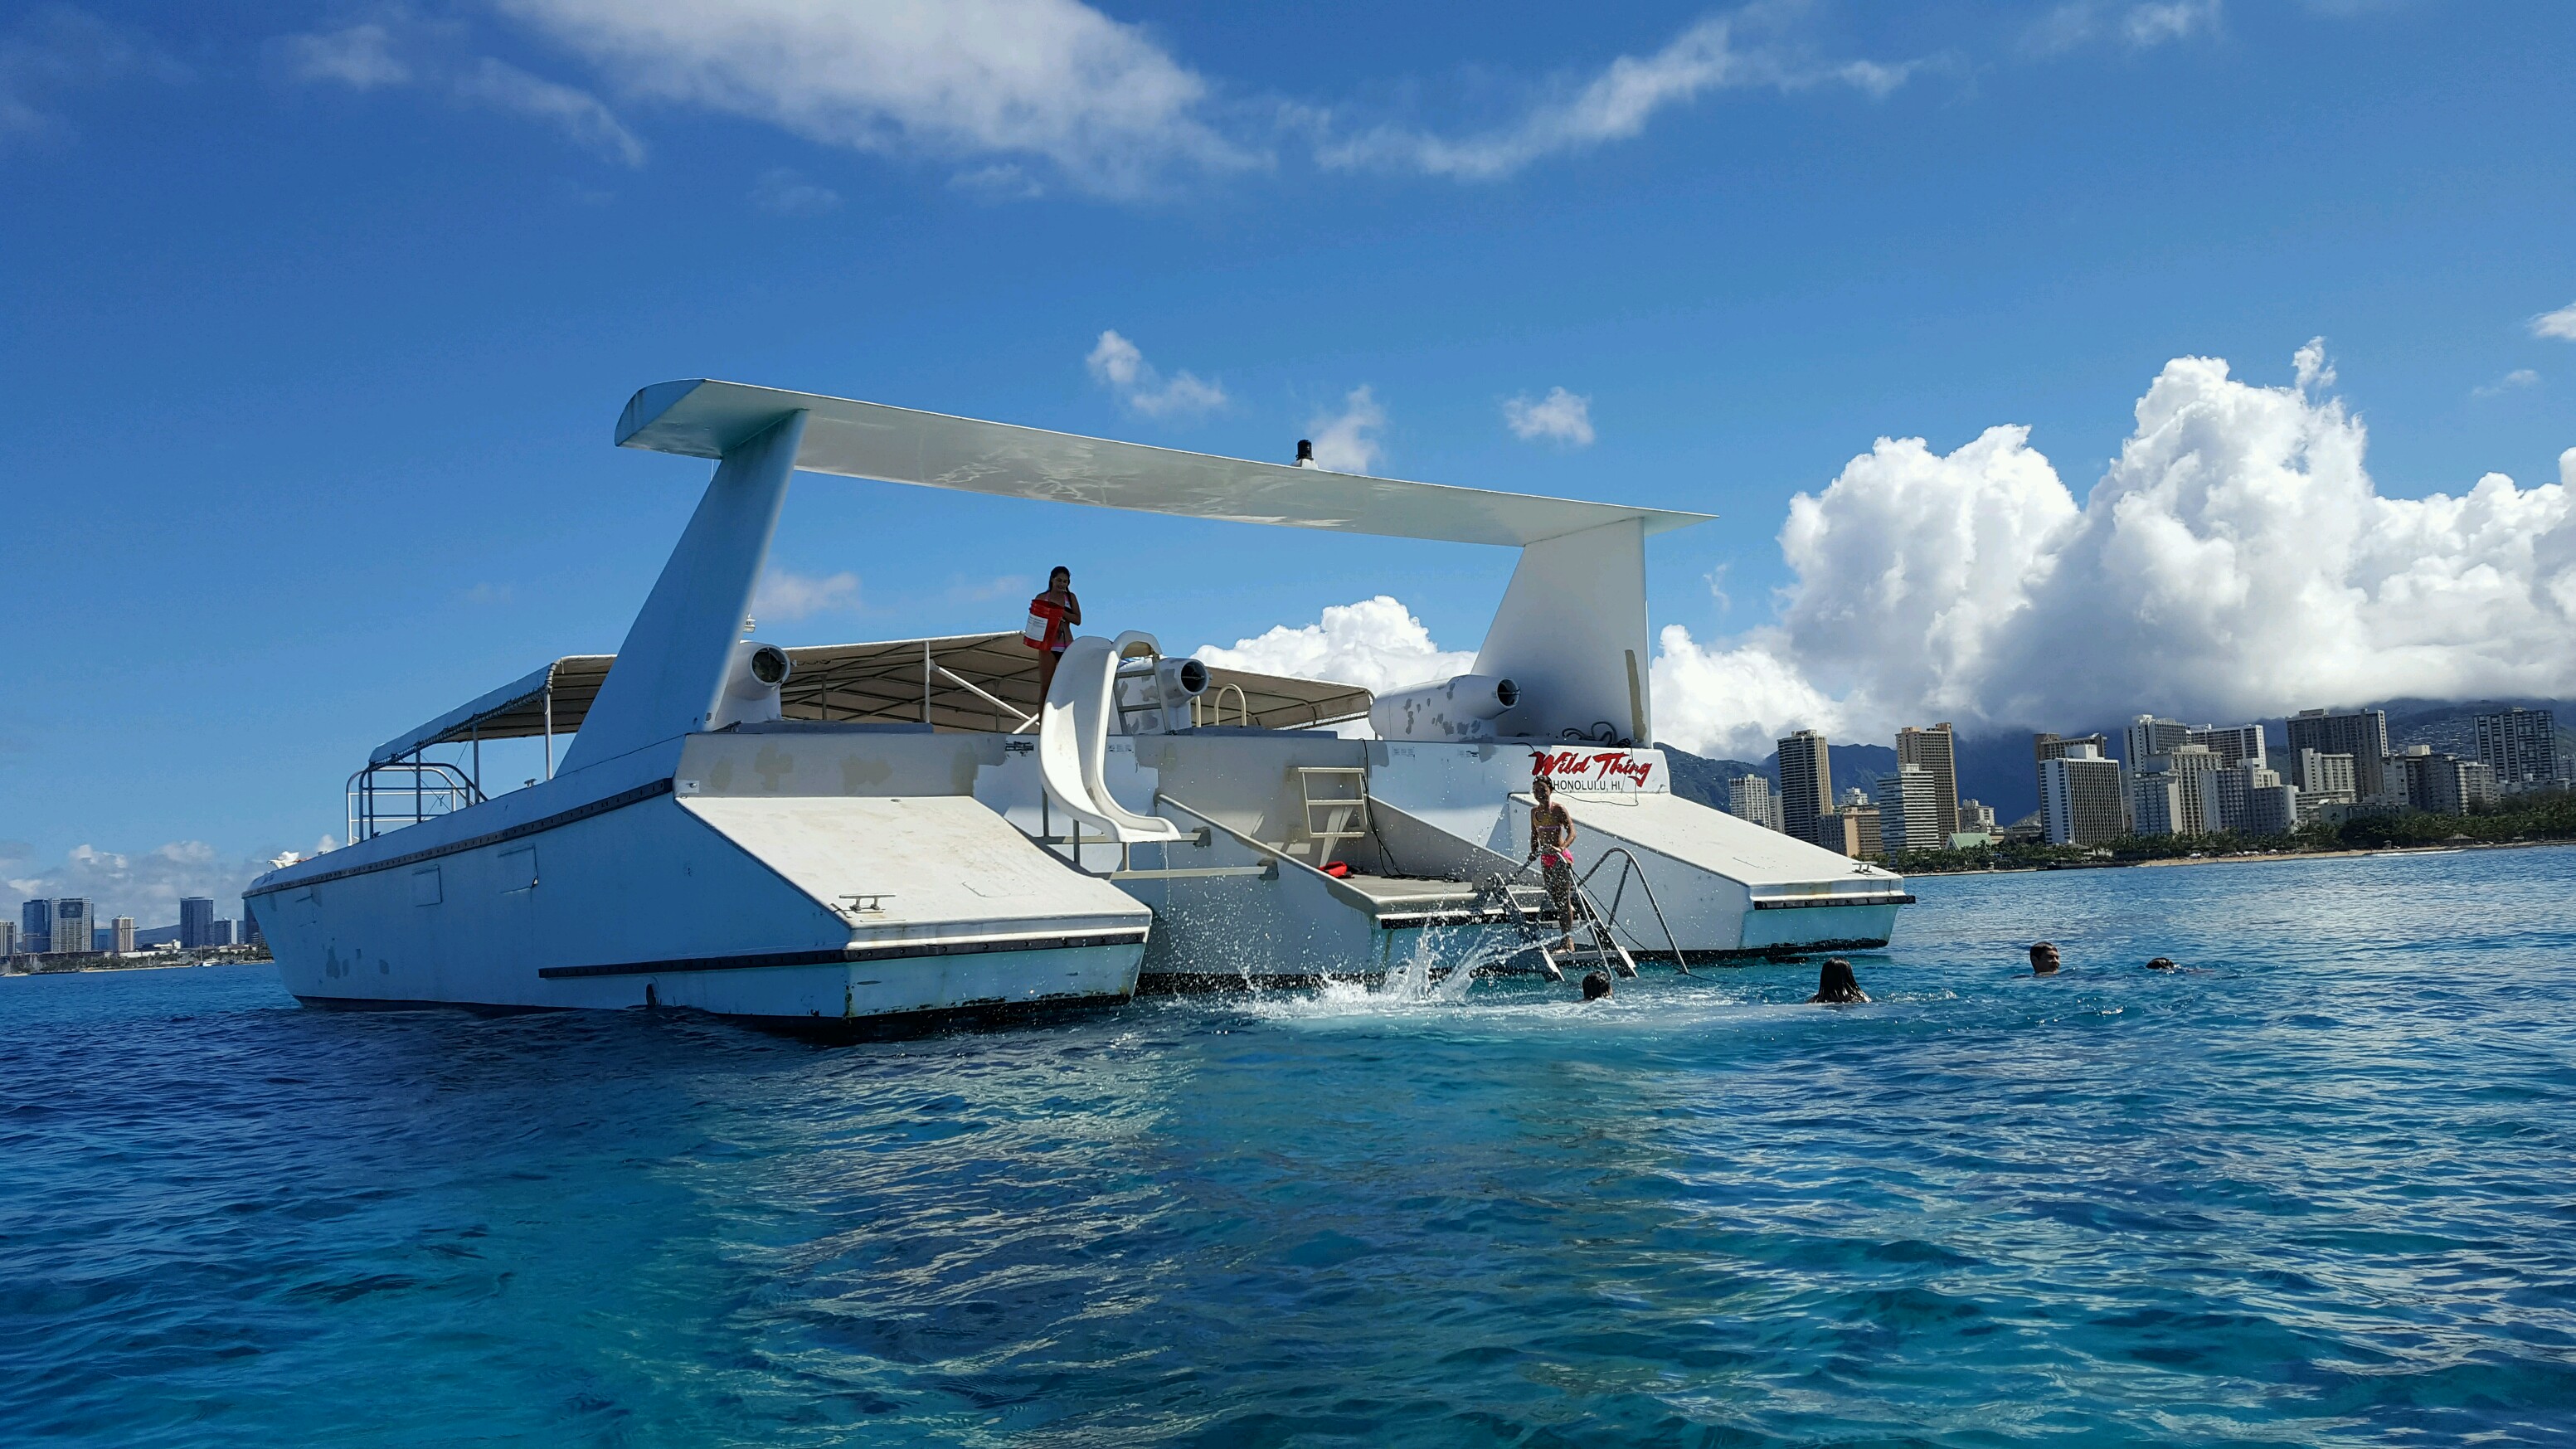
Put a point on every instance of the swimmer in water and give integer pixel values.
(2043, 959)
(1596, 987)
(2163, 963)
(1836, 986)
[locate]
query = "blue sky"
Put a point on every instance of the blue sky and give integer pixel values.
(317, 318)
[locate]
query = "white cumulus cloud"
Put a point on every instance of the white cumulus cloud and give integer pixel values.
(1613, 105)
(784, 595)
(2236, 561)
(1376, 643)
(1346, 441)
(1560, 417)
(2561, 323)
(1050, 82)
(1119, 365)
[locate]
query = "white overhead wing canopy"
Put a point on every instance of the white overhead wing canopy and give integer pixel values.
(703, 419)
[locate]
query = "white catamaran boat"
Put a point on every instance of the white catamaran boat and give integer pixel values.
(849, 837)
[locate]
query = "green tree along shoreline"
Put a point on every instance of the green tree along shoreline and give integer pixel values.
(2546, 815)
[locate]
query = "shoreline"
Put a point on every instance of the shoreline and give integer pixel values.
(14, 975)
(2264, 858)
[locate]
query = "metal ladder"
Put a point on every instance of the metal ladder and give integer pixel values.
(1532, 915)
(1345, 816)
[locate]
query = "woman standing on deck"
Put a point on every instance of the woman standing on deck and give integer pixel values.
(1052, 616)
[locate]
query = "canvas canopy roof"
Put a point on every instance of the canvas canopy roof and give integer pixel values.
(876, 683)
(705, 419)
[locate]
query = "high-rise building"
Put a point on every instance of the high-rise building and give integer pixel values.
(2521, 747)
(36, 927)
(2155, 803)
(2147, 737)
(2441, 784)
(8, 939)
(1852, 830)
(2322, 777)
(196, 922)
(1748, 797)
(1935, 751)
(1909, 811)
(2362, 734)
(2233, 744)
(221, 933)
(2193, 769)
(1806, 784)
(252, 935)
(2079, 797)
(2046, 746)
(2237, 787)
(123, 943)
(71, 925)
(2271, 809)
(1976, 817)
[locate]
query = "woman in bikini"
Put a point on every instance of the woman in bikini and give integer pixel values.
(1552, 846)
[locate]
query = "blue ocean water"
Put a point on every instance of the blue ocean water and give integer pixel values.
(2319, 1190)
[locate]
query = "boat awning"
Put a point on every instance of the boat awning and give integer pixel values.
(704, 419)
(878, 683)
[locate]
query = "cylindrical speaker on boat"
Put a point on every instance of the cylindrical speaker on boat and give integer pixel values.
(1463, 708)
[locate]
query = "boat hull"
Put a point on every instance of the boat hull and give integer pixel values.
(675, 897)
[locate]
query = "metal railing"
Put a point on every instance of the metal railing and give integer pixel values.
(405, 792)
(1214, 702)
(1628, 866)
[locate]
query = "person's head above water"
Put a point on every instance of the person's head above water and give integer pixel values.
(1836, 986)
(2043, 959)
(1596, 986)
(2163, 963)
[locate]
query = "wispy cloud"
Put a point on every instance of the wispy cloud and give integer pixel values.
(396, 48)
(1118, 364)
(146, 885)
(2561, 323)
(1346, 441)
(55, 50)
(2519, 378)
(360, 57)
(1559, 417)
(785, 595)
(1613, 104)
(781, 192)
(1053, 84)
(2130, 23)
(579, 115)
